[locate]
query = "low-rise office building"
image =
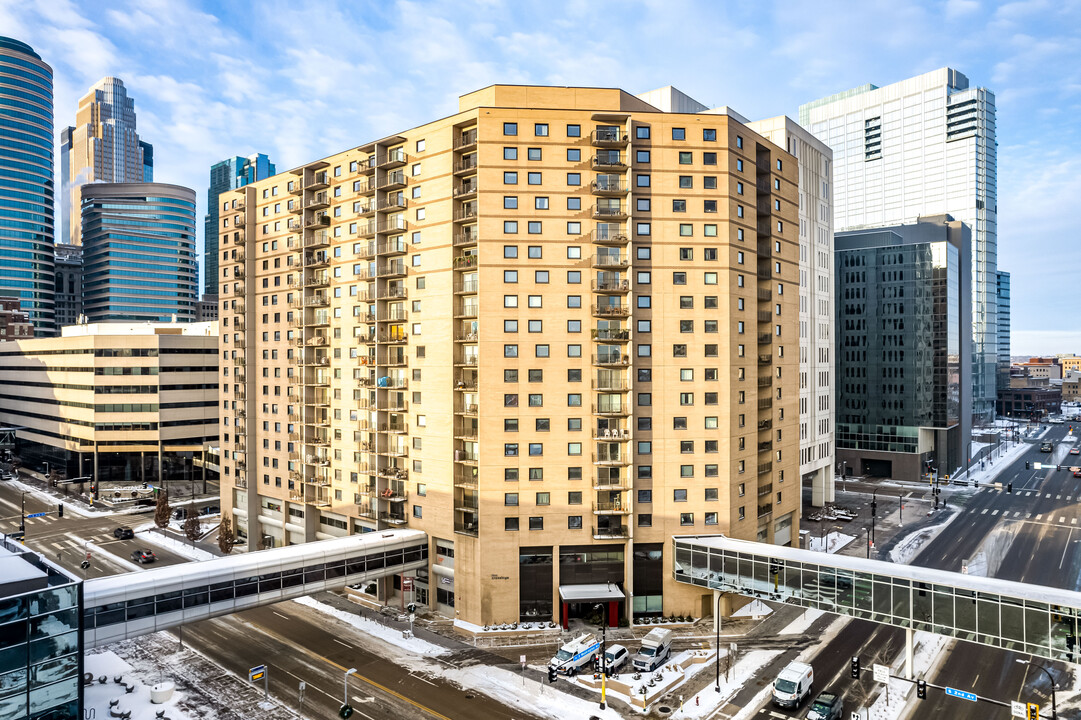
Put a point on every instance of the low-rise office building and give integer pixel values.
(116, 402)
(903, 347)
(14, 321)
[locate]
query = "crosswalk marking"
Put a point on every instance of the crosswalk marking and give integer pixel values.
(994, 512)
(1028, 515)
(1058, 497)
(1073, 521)
(1028, 494)
(984, 512)
(1039, 517)
(1062, 519)
(1017, 514)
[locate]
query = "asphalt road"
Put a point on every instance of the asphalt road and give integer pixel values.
(1045, 506)
(66, 538)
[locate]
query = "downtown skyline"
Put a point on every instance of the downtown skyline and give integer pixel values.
(269, 80)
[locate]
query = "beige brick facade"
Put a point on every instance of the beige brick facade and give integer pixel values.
(552, 331)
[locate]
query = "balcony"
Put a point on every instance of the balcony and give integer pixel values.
(765, 446)
(466, 213)
(238, 272)
(392, 404)
(393, 224)
(393, 519)
(611, 261)
(608, 138)
(239, 239)
(366, 166)
(366, 230)
(466, 337)
(316, 260)
(765, 425)
(465, 383)
(765, 295)
(609, 212)
(466, 189)
(319, 181)
(469, 410)
(395, 360)
(239, 222)
(295, 188)
(614, 434)
(765, 382)
(394, 291)
(607, 311)
(466, 237)
(610, 533)
(765, 403)
(391, 270)
(397, 314)
(611, 385)
(611, 508)
(466, 361)
(765, 468)
(466, 262)
(764, 510)
(611, 410)
(765, 316)
(764, 490)
(614, 187)
(469, 434)
(765, 359)
(393, 159)
(611, 459)
(390, 203)
(465, 479)
(611, 334)
(391, 181)
(318, 201)
(465, 140)
(611, 483)
(611, 286)
(365, 209)
(468, 287)
(608, 236)
(765, 338)
(610, 160)
(467, 165)
(612, 359)
(238, 361)
(318, 239)
(467, 310)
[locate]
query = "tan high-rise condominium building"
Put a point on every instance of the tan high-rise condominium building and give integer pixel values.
(552, 331)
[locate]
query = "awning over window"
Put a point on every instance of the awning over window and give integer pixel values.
(606, 592)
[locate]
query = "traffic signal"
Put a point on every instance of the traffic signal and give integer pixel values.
(411, 608)
(1009, 487)
(551, 674)
(855, 668)
(596, 665)
(1032, 711)
(921, 689)
(60, 510)
(1026, 464)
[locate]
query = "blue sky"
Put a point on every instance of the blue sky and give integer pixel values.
(301, 80)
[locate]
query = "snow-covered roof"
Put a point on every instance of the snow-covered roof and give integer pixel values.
(590, 593)
(13, 568)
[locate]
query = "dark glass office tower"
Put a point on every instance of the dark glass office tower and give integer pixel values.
(903, 352)
(26, 182)
(226, 175)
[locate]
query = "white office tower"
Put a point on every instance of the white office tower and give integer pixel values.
(816, 316)
(923, 146)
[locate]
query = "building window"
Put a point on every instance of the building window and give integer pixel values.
(510, 524)
(510, 128)
(540, 129)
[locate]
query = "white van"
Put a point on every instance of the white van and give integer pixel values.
(655, 649)
(793, 684)
(576, 654)
(615, 657)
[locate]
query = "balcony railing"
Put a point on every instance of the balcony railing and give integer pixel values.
(609, 137)
(609, 237)
(465, 165)
(620, 286)
(611, 261)
(465, 140)
(611, 310)
(611, 334)
(600, 533)
(620, 359)
(609, 212)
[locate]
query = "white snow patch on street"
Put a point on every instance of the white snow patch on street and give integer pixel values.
(414, 645)
(834, 542)
(903, 552)
(150, 534)
(802, 623)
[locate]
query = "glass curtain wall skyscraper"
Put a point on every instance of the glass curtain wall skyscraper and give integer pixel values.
(139, 259)
(26, 182)
(227, 175)
(923, 146)
(102, 146)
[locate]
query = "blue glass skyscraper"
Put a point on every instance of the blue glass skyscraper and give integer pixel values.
(227, 175)
(26, 182)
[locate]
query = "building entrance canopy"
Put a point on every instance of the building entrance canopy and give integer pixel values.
(1037, 620)
(600, 592)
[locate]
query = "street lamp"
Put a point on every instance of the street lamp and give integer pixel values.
(1054, 708)
(603, 607)
(346, 709)
(717, 627)
(22, 520)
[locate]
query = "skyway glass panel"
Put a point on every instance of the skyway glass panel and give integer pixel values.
(1037, 620)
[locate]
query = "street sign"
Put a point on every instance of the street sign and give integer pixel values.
(37, 515)
(961, 694)
(856, 716)
(407, 583)
(1017, 709)
(256, 673)
(881, 673)
(1037, 466)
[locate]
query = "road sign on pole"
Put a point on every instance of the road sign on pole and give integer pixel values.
(1017, 709)
(41, 514)
(954, 692)
(256, 673)
(881, 673)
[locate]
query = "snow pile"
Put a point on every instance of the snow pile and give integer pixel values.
(98, 696)
(903, 552)
(374, 628)
(834, 542)
(801, 624)
(150, 534)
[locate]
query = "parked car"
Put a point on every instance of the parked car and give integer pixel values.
(1075, 451)
(123, 533)
(615, 657)
(143, 556)
(826, 706)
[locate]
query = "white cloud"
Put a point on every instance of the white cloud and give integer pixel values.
(959, 8)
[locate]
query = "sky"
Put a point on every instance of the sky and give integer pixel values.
(303, 80)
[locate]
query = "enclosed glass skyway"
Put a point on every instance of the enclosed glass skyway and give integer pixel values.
(1036, 620)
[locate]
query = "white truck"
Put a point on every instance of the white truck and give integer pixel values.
(576, 654)
(655, 649)
(793, 684)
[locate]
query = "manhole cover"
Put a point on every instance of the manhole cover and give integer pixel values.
(664, 709)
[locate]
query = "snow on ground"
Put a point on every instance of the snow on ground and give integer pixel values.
(374, 628)
(904, 551)
(834, 542)
(149, 533)
(97, 696)
(901, 693)
(76, 509)
(708, 700)
(802, 623)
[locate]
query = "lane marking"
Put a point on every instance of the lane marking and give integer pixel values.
(1064, 549)
(283, 617)
(340, 642)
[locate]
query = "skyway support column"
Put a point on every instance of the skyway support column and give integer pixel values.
(909, 670)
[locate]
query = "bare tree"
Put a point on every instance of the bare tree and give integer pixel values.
(866, 689)
(226, 536)
(192, 527)
(162, 511)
